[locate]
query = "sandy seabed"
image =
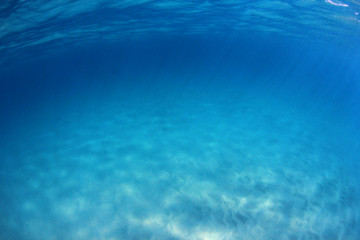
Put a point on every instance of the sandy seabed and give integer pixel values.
(185, 167)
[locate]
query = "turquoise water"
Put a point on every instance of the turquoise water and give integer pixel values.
(203, 120)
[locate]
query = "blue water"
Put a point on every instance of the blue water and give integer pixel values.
(181, 120)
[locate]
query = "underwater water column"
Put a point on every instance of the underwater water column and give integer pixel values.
(207, 120)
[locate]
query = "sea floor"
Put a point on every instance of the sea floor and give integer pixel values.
(179, 166)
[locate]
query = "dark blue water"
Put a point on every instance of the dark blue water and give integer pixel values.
(201, 120)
